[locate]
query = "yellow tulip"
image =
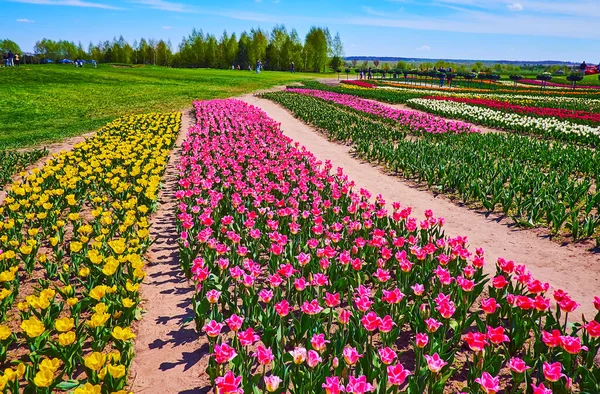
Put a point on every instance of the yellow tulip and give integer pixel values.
(98, 292)
(95, 361)
(75, 247)
(4, 293)
(50, 364)
(98, 319)
(44, 378)
(116, 371)
(117, 245)
(67, 338)
(72, 301)
(84, 272)
(33, 327)
(64, 324)
(88, 388)
(122, 334)
(127, 302)
(4, 332)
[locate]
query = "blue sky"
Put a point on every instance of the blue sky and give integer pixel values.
(455, 29)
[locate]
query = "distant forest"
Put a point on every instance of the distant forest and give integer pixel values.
(276, 49)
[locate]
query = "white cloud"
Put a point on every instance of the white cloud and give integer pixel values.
(166, 5)
(424, 48)
(24, 20)
(167, 27)
(515, 7)
(69, 3)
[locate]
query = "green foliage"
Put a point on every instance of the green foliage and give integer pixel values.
(51, 102)
(9, 45)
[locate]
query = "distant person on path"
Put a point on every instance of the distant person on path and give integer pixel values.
(442, 76)
(17, 59)
(293, 68)
(94, 63)
(450, 76)
(370, 75)
(258, 66)
(11, 59)
(582, 68)
(5, 58)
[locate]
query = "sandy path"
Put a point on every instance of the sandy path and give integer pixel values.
(567, 267)
(64, 145)
(169, 356)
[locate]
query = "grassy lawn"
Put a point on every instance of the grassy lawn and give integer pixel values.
(43, 103)
(588, 80)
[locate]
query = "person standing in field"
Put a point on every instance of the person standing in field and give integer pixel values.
(5, 58)
(17, 59)
(11, 57)
(582, 68)
(293, 68)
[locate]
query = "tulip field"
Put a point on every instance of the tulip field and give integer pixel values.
(298, 280)
(74, 234)
(303, 284)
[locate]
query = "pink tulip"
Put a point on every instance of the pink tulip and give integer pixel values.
(224, 353)
(421, 340)
(264, 355)
(386, 355)
(234, 322)
(332, 385)
(298, 355)
(229, 384)
(359, 385)
(489, 384)
(212, 328)
(272, 383)
(435, 363)
(552, 372)
(319, 343)
(517, 365)
(541, 389)
(397, 374)
(351, 356)
(313, 359)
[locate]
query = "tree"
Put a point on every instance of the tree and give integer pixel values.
(258, 46)
(9, 45)
(316, 49)
(376, 63)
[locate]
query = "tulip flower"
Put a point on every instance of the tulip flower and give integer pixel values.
(435, 363)
(488, 383)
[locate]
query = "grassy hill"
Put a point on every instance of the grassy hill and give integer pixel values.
(42, 103)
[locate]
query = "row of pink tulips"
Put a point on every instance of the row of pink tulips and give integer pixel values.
(583, 116)
(415, 121)
(304, 284)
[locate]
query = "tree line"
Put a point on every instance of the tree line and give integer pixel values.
(276, 49)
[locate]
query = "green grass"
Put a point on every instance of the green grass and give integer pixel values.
(588, 80)
(43, 103)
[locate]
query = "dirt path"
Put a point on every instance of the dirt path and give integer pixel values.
(64, 145)
(169, 357)
(566, 267)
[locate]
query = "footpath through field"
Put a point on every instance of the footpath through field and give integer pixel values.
(169, 355)
(570, 268)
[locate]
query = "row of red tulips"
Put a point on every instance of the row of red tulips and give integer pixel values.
(581, 116)
(304, 284)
